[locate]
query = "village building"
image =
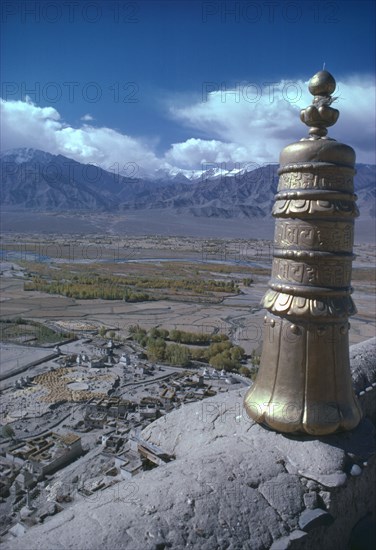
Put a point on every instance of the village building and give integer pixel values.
(8, 473)
(149, 412)
(113, 442)
(128, 463)
(46, 453)
(98, 411)
(23, 482)
(94, 419)
(167, 397)
(98, 362)
(139, 454)
(125, 360)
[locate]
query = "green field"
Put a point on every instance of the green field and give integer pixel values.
(24, 331)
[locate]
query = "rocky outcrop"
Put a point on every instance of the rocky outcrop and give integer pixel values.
(363, 370)
(233, 485)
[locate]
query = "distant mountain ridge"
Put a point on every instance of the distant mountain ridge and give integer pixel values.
(37, 180)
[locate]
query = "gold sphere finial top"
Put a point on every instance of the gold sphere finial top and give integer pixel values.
(320, 114)
(322, 83)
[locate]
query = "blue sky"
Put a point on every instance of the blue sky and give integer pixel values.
(177, 84)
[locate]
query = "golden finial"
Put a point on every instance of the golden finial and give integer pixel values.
(320, 115)
(304, 383)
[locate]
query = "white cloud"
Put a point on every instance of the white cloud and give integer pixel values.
(249, 125)
(87, 118)
(259, 121)
(196, 152)
(357, 121)
(27, 125)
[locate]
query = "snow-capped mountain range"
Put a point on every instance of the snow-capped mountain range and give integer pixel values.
(33, 179)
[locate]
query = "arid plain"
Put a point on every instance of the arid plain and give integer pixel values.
(207, 285)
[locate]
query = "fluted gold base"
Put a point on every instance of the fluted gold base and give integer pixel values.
(304, 383)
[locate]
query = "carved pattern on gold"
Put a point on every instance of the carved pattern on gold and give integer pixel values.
(331, 272)
(308, 207)
(320, 307)
(321, 179)
(328, 236)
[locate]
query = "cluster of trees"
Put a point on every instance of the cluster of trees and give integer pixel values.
(195, 338)
(87, 290)
(177, 355)
(220, 355)
(112, 287)
(138, 334)
(8, 432)
(219, 352)
(111, 333)
(194, 285)
(255, 357)
(130, 288)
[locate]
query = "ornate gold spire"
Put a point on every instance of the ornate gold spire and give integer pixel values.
(304, 383)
